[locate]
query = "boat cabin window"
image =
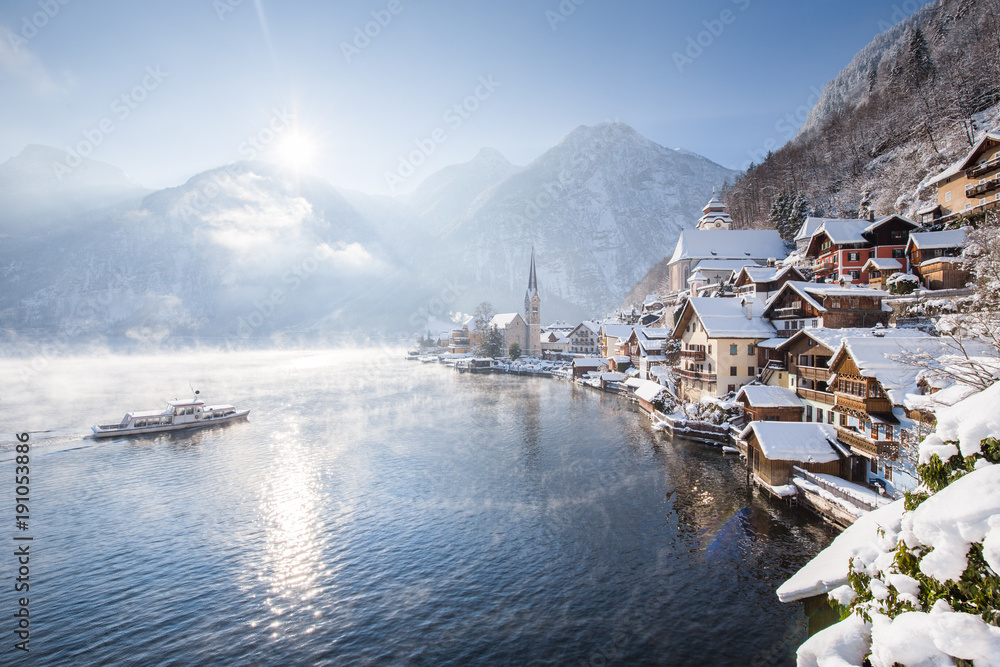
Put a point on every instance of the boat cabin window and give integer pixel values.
(140, 422)
(189, 411)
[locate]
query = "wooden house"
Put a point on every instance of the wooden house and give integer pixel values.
(774, 448)
(763, 281)
(879, 269)
(936, 258)
(799, 305)
(764, 403)
(841, 248)
(972, 184)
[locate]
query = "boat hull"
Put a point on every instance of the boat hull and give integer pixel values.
(161, 428)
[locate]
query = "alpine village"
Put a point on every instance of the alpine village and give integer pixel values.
(838, 357)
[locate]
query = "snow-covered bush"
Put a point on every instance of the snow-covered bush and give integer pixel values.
(924, 587)
(902, 283)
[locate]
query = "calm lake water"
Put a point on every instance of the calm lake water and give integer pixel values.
(401, 514)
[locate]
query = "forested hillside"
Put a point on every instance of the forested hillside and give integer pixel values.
(908, 105)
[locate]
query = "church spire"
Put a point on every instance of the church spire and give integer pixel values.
(532, 280)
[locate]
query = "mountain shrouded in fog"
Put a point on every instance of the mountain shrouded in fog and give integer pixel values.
(252, 249)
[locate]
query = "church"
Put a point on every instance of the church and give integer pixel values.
(525, 331)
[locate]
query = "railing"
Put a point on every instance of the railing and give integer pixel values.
(787, 333)
(815, 373)
(882, 448)
(861, 404)
(818, 396)
(984, 167)
(835, 490)
(697, 355)
(979, 188)
(696, 375)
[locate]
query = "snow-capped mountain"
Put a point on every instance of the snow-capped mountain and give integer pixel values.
(42, 185)
(251, 249)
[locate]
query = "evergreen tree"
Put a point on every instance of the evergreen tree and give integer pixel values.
(788, 211)
(491, 344)
(514, 350)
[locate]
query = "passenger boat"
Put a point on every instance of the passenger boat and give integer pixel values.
(178, 415)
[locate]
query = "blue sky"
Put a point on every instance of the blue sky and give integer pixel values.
(165, 90)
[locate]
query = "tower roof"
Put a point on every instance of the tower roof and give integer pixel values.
(532, 278)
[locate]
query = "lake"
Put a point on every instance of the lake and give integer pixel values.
(382, 512)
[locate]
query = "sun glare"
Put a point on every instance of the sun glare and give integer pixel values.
(297, 150)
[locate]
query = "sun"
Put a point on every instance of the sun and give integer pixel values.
(296, 150)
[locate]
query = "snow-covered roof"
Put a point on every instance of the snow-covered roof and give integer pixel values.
(967, 422)
(612, 377)
(832, 338)
(649, 390)
(652, 299)
(810, 292)
(621, 359)
(771, 343)
(617, 330)
(762, 274)
(809, 227)
(844, 230)
(885, 359)
(727, 318)
(951, 238)
(963, 164)
(589, 362)
(765, 396)
(501, 320)
(882, 264)
(647, 345)
(806, 442)
(757, 244)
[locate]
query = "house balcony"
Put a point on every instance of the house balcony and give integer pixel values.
(825, 265)
(977, 189)
(695, 355)
(814, 395)
(983, 168)
(862, 404)
(865, 446)
(814, 373)
(696, 375)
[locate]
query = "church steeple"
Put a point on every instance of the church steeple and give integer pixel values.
(532, 313)
(532, 279)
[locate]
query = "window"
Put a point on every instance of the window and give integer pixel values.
(843, 420)
(750, 349)
(898, 253)
(853, 256)
(734, 350)
(874, 465)
(710, 349)
(896, 234)
(752, 370)
(947, 196)
(814, 323)
(819, 415)
(829, 417)
(732, 388)
(855, 275)
(809, 413)
(732, 371)
(888, 473)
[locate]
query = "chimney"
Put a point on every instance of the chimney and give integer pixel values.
(871, 215)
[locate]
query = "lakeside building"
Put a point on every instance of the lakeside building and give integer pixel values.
(769, 403)
(585, 339)
(775, 448)
(936, 258)
(554, 344)
(971, 185)
(612, 338)
(840, 248)
(718, 340)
